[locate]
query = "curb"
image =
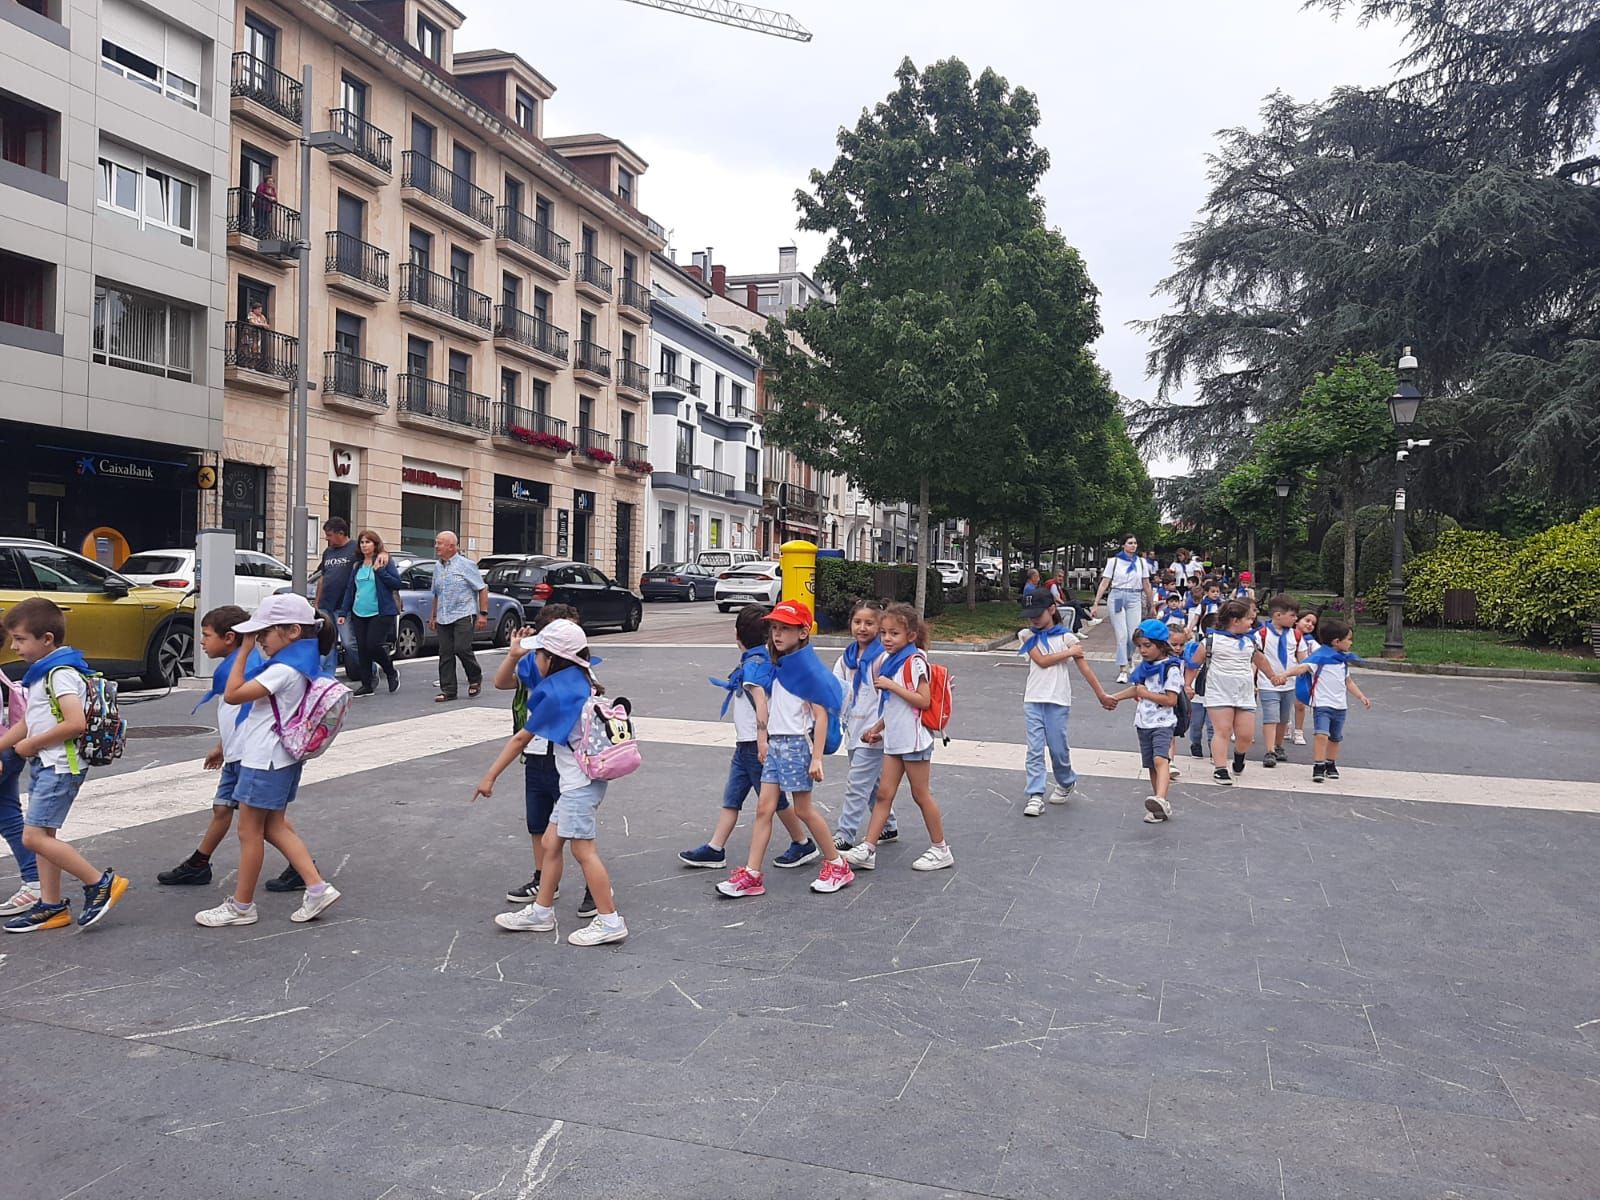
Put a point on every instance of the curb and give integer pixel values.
(1406, 668)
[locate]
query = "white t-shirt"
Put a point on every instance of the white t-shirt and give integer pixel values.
(1049, 685)
(744, 714)
(1150, 715)
(1308, 644)
(1231, 656)
(1267, 640)
(1183, 572)
(1126, 576)
(1328, 688)
(229, 731)
(258, 743)
(861, 715)
(903, 730)
(65, 681)
(787, 714)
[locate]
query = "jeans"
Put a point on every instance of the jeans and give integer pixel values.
(1047, 726)
(347, 639)
(11, 815)
(1127, 610)
(455, 642)
(860, 790)
(371, 634)
(744, 777)
(1200, 726)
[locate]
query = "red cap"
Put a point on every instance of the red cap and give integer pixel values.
(791, 612)
(1245, 576)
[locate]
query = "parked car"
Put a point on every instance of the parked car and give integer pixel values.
(952, 573)
(720, 561)
(749, 583)
(538, 579)
(412, 635)
(123, 628)
(677, 581)
(989, 568)
(255, 576)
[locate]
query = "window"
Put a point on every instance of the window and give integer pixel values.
(418, 351)
(27, 291)
(625, 185)
(511, 193)
(260, 40)
(168, 201)
(353, 96)
(685, 449)
(430, 39)
(585, 412)
(25, 134)
(540, 396)
(527, 112)
(421, 138)
(694, 376)
(627, 427)
(250, 293)
(510, 290)
(630, 265)
(347, 331)
(59, 571)
(541, 304)
(737, 396)
(509, 387)
(627, 347)
(544, 212)
(716, 391)
(585, 327)
(140, 47)
(142, 333)
(421, 245)
(669, 362)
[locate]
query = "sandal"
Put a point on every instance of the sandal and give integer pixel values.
(474, 688)
(441, 698)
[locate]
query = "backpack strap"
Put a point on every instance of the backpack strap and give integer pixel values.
(74, 765)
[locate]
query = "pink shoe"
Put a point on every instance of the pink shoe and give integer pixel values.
(834, 875)
(742, 882)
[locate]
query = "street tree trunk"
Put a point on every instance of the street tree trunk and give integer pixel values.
(923, 548)
(1250, 555)
(1347, 486)
(1005, 558)
(972, 567)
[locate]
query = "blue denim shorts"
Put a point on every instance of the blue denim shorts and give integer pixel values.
(916, 756)
(269, 789)
(227, 784)
(744, 777)
(1331, 722)
(1154, 743)
(788, 762)
(575, 811)
(541, 788)
(50, 796)
(1276, 708)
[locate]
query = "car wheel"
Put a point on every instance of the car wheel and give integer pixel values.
(171, 654)
(507, 627)
(693, 595)
(631, 621)
(722, 608)
(408, 641)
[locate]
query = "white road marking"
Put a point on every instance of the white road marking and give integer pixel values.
(135, 1037)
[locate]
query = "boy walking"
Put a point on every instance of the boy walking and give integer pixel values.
(1279, 640)
(1329, 668)
(1156, 683)
(48, 734)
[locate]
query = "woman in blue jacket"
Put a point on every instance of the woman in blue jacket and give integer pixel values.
(371, 603)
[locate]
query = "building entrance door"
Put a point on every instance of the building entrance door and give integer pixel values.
(244, 504)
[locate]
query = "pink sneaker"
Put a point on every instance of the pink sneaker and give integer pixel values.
(834, 875)
(743, 882)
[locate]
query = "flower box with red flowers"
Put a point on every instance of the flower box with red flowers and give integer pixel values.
(599, 455)
(637, 465)
(536, 437)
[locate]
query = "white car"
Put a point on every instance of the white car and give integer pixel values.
(989, 568)
(952, 573)
(255, 576)
(748, 583)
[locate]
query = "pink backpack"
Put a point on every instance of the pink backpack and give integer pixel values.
(15, 706)
(609, 747)
(317, 720)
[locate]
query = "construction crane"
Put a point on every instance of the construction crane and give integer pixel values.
(741, 16)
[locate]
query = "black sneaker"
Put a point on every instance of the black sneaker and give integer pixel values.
(1319, 772)
(1221, 776)
(188, 871)
(888, 835)
(587, 908)
(1270, 761)
(1238, 764)
(1332, 771)
(289, 881)
(1282, 752)
(1194, 750)
(526, 893)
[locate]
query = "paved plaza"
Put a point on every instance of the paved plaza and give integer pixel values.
(1285, 992)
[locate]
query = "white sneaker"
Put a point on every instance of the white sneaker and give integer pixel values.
(1299, 738)
(1157, 809)
(1060, 795)
(1034, 807)
(935, 858)
(311, 905)
(226, 914)
(25, 898)
(526, 920)
(862, 857)
(598, 933)
(1122, 677)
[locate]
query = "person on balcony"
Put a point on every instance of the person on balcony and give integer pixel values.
(266, 197)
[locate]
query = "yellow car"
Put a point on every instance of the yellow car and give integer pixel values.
(123, 629)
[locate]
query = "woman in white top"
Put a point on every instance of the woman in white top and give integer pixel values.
(1127, 578)
(1233, 655)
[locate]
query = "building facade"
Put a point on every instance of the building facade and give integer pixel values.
(479, 314)
(113, 116)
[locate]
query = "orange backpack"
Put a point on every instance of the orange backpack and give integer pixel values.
(941, 696)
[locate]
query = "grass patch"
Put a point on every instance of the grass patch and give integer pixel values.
(1476, 648)
(991, 619)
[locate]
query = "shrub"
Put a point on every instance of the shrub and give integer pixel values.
(1462, 558)
(841, 582)
(1375, 560)
(1552, 583)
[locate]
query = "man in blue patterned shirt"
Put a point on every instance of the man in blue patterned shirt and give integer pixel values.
(460, 609)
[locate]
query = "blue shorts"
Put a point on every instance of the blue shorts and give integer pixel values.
(914, 756)
(788, 762)
(1276, 708)
(1330, 721)
(744, 777)
(1154, 743)
(574, 812)
(271, 789)
(541, 788)
(50, 796)
(227, 784)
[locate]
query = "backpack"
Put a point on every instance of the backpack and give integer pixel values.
(15, 703)
(1182, 708)
(610, 746)
(941, 696)
(1305, 686)
(106, 734)
(316, 721)
(1205, 669)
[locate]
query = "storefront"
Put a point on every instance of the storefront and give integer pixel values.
(521, 508)
(430, 501)
(582, 525)
(344, 483)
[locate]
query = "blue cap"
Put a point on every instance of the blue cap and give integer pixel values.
(1154, 630)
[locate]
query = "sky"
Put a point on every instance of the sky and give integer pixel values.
(1131, 95)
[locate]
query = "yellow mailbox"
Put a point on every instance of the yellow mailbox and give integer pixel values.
(798, 562)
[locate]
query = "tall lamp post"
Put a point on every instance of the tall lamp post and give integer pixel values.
(1282, 487)
(1403, 406)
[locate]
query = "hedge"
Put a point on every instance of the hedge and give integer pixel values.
(841, 582)
(1423, 530)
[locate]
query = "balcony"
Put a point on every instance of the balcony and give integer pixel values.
(356, 147)
(593, 449)
(675, 386)
(259, 359)
(742, 412)
(633, 377)
(524, 334)
(262, 227)
(634, 300)
(716, 483)
(440, 191)
(594, 277)
(354, 384)
(752, 485)
(633, 457)
(442, 301)
(800, 498)
(428, 404)
(265, 96)
(770, 490)
(530, 432)
(539, 246)
(356, 267)
(591, 360)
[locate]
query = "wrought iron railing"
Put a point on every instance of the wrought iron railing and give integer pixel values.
(372, 143)
(443, 294)
(635, 295)
(591, 357)
(426, 397)
(522, 229)
(349, 255)
(635, 376)
(359, 378)
(594, 272)
(269, 87)
(530, 331)
(444, 185)
(261, 217)
(257, 348)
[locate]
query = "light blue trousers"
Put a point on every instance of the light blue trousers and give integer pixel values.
(1047, 727)
(861, 789)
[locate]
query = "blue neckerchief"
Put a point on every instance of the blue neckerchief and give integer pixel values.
(1283, 648)
(219, 677)
(528, 668)
(1149, 670)
(802, 674)
(65, 656)
(1242, 592)
(302, 655)
(890, 667)
(860, 662)
(1208, 605)
(1324, 655)
(1040, 640)
(556, 702)
(1190, 651)
(755, 667)
(1239, 639)
(1130, 559)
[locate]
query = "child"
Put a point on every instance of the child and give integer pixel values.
(902, 680)
(293, 641)
(27, 895)
(1306, 627)
(1329, 668)
(1047, 702)
(556, 706)
(1176, 612)
(1210, 602)
(854, 673)
(804, 698)
(1156, 683)
(48, 736)
(1245, 590)
(1198, 721)
(1230, 695)
(747, 688)
(1279, 640)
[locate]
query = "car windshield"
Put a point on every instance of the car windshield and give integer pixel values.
(750, 571)
(152, 564)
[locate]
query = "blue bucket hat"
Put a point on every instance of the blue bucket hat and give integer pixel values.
(1154, 630)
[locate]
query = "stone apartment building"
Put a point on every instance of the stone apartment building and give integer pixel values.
(480, 294)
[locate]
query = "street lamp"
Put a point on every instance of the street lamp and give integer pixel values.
(1282, 487)
(1403, 406)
